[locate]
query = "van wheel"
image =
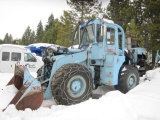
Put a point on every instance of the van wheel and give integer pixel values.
(71, 84)
(128, 79)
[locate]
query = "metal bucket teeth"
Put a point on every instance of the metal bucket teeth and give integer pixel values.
(17, 79)
(32, 100)
(30, 94)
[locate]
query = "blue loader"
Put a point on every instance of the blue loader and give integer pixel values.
(70, 74)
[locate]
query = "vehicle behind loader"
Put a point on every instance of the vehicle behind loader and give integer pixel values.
(140, 58)
(70, 74)
(157, 59)
(139, 55)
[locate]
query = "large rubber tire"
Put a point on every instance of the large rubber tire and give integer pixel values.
(128, 78)
(72, 84)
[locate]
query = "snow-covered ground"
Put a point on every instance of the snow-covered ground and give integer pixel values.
(141, 103)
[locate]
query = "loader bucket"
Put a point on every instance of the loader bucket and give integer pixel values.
(29, 94)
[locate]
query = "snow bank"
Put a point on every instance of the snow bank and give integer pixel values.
(6, 95)
(4, 79)
(145, 99)
(37, 45)
(141, 103)
(153, 74)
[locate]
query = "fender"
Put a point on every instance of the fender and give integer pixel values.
(61, 60)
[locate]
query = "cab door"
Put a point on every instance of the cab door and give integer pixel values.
(111, 40)
(112, 61)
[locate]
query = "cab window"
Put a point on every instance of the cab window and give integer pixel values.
(99, 37)
(88, 35)
(120, 41)
(110, 36)
(29, 57)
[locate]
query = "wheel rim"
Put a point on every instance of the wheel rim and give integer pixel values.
(132, 81)
(76, 86)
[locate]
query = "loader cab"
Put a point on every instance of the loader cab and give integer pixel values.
(104, 40)
(102, 33)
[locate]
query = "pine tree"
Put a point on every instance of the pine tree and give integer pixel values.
(40, 32)
(28, 36)
(81, 11)
(50, 34)
(8, 39)
(138, 11)
(147, 16)
(121, 12)
(50, 22)
(85, 9)
(33, 37)
(65, 29)
(152, 18)
(1, 41)
(18, 41)
(135, 32)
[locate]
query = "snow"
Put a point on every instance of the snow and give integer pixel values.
(39, 57)
(108, 21)
(6, 95)
(37, 45)
(6, 77)
(141, 103)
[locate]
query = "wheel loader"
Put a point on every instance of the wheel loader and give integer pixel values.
(139, 56)
(70, 74)
(157, 59)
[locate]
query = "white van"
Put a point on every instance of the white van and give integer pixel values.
(16, 54)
